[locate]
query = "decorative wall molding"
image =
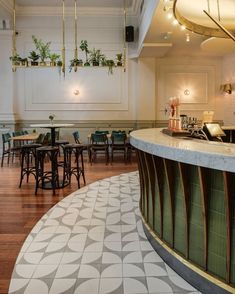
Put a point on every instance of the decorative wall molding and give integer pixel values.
(174, 77)
(98, 90)
(8, 5)
(6, 33)
(7, 118)
(192, 88)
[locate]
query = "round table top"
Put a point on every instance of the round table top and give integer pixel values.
(51, 125)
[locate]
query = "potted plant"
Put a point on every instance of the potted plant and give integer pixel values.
(53, 58)
(119, 59)
(51, 118)
(43, 48)
(95, 57)
(84, 47)
(103, 61)
(74, 63)
(59, 63)
(16, 59)
(34, 56)
(110, 64)
(24, 61)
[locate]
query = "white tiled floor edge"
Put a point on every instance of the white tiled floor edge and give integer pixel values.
(92, 242)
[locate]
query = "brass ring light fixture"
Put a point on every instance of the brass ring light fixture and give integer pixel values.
(220, 32)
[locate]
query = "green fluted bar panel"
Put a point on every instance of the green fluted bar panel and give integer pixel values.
(151, 183)
(216, 224)
(167, 222)
(233, 233)
(180, 223)
(158, 167)
(196, 230)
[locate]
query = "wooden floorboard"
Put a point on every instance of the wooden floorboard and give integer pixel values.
(21, 209)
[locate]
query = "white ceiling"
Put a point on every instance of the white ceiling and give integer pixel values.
(163, 31)
(162, 38)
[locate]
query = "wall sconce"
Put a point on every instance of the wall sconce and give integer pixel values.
(186, 92)
(226, 88)
(76, 92)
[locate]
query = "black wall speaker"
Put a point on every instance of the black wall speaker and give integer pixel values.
(129, 34)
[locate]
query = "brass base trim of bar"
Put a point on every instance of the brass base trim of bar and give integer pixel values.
(191, 266)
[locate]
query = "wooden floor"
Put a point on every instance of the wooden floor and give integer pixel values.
(20, 209)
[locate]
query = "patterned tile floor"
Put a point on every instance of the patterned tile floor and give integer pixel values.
(92, 242)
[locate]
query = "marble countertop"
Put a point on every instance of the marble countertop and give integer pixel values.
(209, 154)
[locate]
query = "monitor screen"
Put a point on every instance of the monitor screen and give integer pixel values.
(215, 130)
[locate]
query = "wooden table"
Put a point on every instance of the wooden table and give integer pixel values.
(53, 127)
(27, 137)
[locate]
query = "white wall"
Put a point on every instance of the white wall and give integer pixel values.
(228, 100)
(201, 76)
(139, 94)
(41, 91)
(6, 77)
(146, 98)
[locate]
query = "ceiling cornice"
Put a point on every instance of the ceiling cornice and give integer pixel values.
(7, 5)
(134, 10)
(57, 11)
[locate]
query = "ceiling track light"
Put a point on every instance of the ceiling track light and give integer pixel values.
(169, 15)
(187, 38)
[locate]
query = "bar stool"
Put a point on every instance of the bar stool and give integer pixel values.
(76, 169)
(47, 177)
(27, 161)
(60, 144)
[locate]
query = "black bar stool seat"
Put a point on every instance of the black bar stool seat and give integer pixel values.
(61, 144)
(47, 176)
(74, 168)
(27, 161)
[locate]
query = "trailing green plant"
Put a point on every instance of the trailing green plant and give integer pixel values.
(15, 59)
(43, 48)
(74, 63)
(110, 63)
(103, 60)
(119, 59)
(34, 57)
(95, 56)
(84, 47)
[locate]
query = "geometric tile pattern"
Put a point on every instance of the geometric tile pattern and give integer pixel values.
(92, 242)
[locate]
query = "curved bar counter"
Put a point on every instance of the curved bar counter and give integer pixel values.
(188, 206)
